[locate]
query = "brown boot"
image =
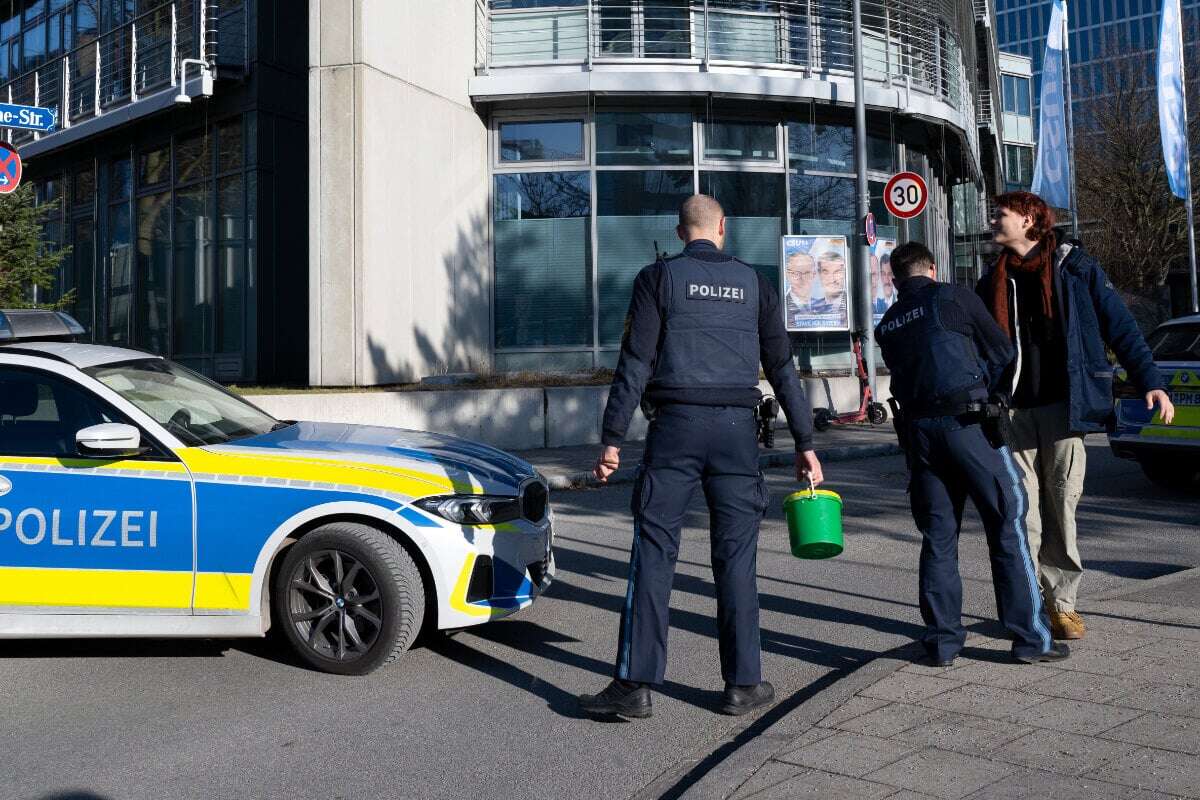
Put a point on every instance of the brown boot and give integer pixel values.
(1066, 625)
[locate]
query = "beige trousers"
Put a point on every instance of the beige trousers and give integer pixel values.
(1054, 461)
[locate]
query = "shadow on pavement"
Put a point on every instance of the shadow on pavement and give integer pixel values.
(116, 648)
(75, 794)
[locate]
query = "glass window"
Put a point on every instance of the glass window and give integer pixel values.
(541, 141)
(120, 179)
(822, 205)
(85, 186)
(754, 209)
(668, 27)
(231, 264)
(1022, 94)
(543, 260)
(636, 216)
(153, 271)
(10, 26)
(154, 166)
(120, 274)
(557, 34)
(743, 37)
(643, 138)
(825, 142)
(192, 314)
(616, 30)
(41, 413)
(1009, 89)
(83, 265)
(34, 42)
(740, 141)
(86, 25)
(191, 158)
(230, 147)
(881, 156)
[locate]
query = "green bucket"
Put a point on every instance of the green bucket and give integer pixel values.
(814, 519)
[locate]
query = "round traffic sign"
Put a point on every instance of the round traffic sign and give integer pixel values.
(906, 195)
(869, 229)
(10, 168)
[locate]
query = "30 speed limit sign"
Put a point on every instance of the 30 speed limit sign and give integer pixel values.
(906, 195)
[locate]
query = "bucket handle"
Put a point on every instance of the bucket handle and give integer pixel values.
(812, 488)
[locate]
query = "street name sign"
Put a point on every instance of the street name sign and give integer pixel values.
(32, 118)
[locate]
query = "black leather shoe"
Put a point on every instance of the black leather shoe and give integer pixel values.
(1057, 652)
(740, 700)
(622, 698)
(934, 661)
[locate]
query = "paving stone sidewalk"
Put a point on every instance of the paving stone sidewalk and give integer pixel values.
(1119, 720)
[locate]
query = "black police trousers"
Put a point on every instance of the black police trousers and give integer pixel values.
(715, 449)
(949, 461)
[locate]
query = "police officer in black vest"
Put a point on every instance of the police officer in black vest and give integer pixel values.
(947, 357)
(698, 326)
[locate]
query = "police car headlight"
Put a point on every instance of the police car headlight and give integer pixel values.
(475, 509)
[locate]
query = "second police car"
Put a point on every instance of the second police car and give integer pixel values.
(138, 498)
(1168, 454)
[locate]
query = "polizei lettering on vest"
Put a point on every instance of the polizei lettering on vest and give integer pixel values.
(903, 319)
(714, 291)
(92, 527)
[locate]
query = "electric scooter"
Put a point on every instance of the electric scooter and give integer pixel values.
(868, 409)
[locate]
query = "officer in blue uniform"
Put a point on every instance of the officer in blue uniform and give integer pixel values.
(946, 355)
(698, 326)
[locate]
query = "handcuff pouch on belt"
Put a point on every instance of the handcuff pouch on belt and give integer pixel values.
(992, 417)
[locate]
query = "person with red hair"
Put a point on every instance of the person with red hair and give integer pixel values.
(1061, 311)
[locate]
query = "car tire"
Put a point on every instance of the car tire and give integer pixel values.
(348, 598)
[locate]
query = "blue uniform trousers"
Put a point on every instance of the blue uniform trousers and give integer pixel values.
(690, 447)
(949, 462)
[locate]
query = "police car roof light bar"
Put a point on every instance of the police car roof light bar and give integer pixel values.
(29, 324)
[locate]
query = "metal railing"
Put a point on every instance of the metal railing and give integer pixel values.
(986, 113)
(917, 43)
(116, 68)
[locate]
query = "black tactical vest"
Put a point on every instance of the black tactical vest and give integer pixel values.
(710, 324)
(930, 365)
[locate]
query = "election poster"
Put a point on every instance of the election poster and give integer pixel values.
(883, 286)
(815, 287)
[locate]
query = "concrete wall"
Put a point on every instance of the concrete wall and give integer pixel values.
(512, 419)
(400, 283)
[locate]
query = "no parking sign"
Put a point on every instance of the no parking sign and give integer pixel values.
(906, 195)
(10, 168)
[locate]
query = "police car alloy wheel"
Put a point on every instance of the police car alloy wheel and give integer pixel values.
(348, 598)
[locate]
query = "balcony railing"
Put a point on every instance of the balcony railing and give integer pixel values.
(117, 68)
(911, 42)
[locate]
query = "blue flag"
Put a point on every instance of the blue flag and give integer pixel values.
(1052, 174)
(1172, 116)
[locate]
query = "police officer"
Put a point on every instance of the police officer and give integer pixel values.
(946, 355)
(698, 325)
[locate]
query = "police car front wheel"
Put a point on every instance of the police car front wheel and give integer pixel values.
(348, 598)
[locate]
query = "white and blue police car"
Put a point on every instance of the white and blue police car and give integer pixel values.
(138, 498)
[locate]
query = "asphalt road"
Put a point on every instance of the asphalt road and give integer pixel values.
(490, 712)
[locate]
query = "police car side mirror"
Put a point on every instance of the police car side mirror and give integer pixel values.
(110, 440)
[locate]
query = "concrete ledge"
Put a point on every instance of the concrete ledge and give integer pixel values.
(511, 419)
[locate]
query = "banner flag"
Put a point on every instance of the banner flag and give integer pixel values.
(1172, 117)
(1052, 174)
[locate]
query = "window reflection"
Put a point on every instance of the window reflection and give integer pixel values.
(634, 138)
(541, 141)
(542, 260)
(754, 212)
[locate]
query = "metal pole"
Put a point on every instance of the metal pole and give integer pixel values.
(1188, 165)
(1070, 119)
(862, 276)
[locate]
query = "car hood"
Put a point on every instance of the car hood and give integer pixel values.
(465, 464)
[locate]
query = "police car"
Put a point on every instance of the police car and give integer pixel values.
(138, 498)
(1168, 454)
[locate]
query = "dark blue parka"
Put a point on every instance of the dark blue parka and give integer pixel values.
(1094, 316)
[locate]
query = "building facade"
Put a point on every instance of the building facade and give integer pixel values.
(1016, 88)
(369, 193)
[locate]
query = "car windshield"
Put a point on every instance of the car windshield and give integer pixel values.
(1176, 343)
(190, 406)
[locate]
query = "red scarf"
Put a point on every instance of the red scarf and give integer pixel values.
(1040, 260)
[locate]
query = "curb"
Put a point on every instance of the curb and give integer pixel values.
(850, 452)
(719, 772)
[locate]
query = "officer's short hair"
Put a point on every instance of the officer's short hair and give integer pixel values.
(911, 258)
(699, 213)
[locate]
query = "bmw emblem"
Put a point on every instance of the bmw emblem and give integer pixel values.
(5, 486)
(340, 602)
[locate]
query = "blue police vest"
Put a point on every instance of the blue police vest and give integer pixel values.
(710, 324)
(930, 365)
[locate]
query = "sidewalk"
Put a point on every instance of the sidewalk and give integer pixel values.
(571, 467)
(1120, 719)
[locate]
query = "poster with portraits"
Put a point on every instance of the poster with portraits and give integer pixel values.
(816, 278)
(883, 285)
